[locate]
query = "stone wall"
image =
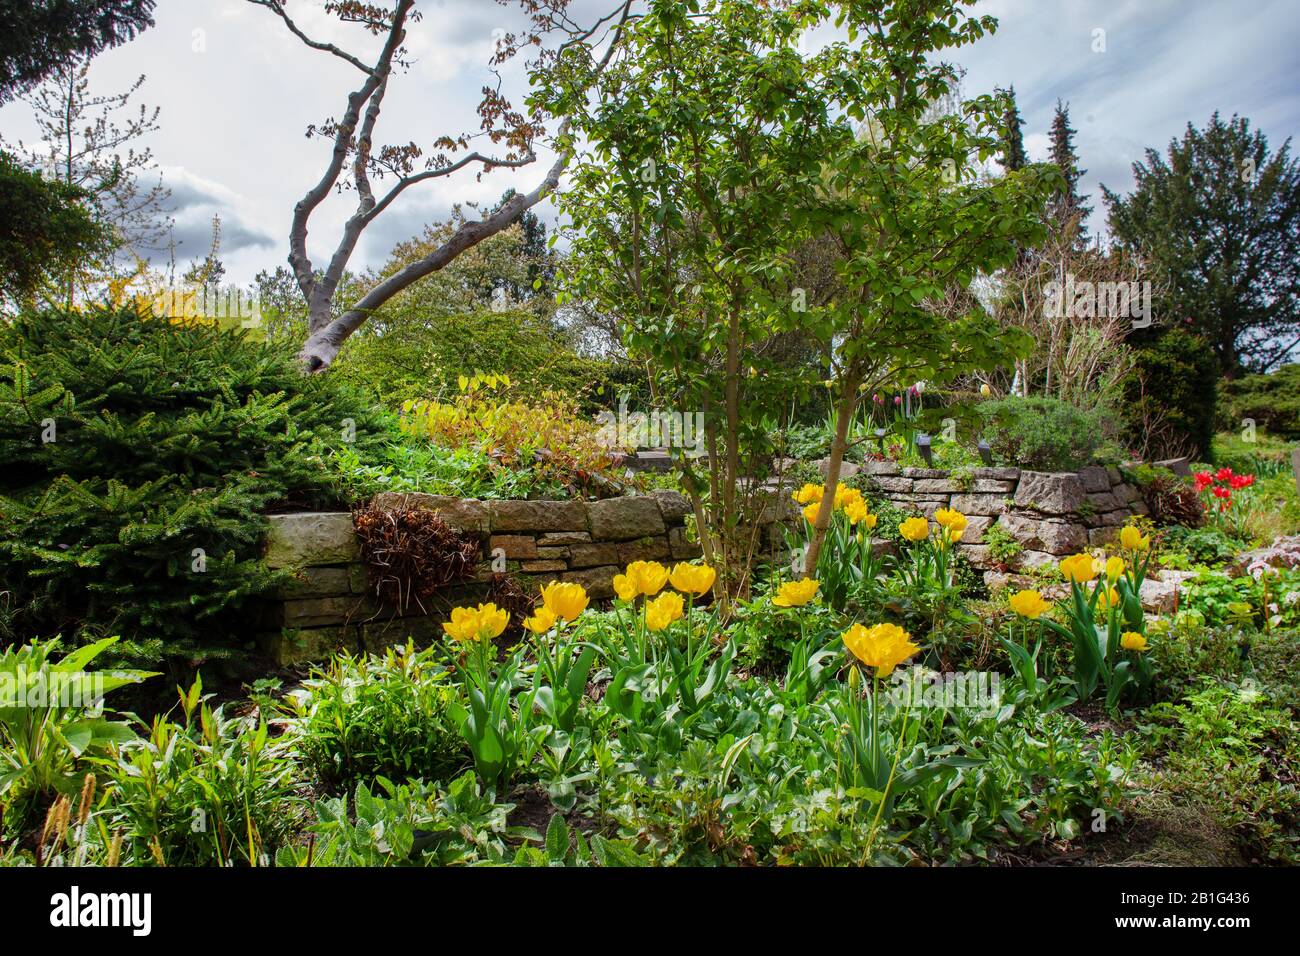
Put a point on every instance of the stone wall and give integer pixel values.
(329, 607)
(1051, 514)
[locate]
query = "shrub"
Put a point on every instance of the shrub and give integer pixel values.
(1169, 397)
(410, 554)
(141, 455)
(210, 791)
(1271, 401)
(359, 719)
(1041, 434)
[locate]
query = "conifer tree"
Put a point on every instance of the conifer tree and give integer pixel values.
(1069, 203)
(1012, 139)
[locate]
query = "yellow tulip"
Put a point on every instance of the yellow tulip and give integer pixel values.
(883, 647)
(641, 577)
(476, 624)
(844, 496)
(694, 579)
(1108, 599)
(1114, 568)
(869, 521)
(810, 512)
(1080, 568)
(663, 610)
(1132, 641)
(565, 599)
(796, 593)
(856, 511)
(1028, 604)
(808, 493)
(542, 620)
(915, 529)
(1131, 539)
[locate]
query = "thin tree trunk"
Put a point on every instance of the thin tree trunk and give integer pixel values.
(839, 445)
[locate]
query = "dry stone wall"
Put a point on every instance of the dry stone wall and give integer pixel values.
(329, 607)
(1051, 514)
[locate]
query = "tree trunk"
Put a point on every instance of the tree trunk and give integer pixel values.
(839, 445)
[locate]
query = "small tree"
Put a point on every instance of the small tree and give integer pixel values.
(719, 155)
(1219, 220)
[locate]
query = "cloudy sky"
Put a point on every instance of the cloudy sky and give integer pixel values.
(237, 92)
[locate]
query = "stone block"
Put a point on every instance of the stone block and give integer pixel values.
(553, 553)
(538, 515)
(311, 539)
(683, 549)
(533, 567)
(1094, 478)
(880, 468)
(943, 486)
(324, 611)
(292, 646)
(590, 554)
(979, 504)
(976, 525)
(514, 546)
(1100, 537)
(997, 474)
(318, 582)
(1037, 534)
(1049, 492)
(893, 485)
(992, 486)
(623, 519)
(1103, 501)
(598, 581)
(644, 549)
(555, 539)
(467, 515)
(924, 473)
(674, 505)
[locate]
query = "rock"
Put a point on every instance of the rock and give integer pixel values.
(1094, 478)
(1049, 492)
(318, 582)
(554, 539)
(303, 645)
(945, 486)
(314, 538)
(1179, 466)
(674, 505)
(976, 525)
(1158, 596)
(683, 549)
(514, 545)
(1099, 537)
(1114, 475)
(588, 555)
(976, 554)
(893, 485)
(322, 611)
(533, 567)
(1036, 559)
(1104, 501)
(542, 515)
(552, 552)
(1036, 534)
(992, 486)
(979, 504)
(1126, 493)
(467, 515)
(997, 474)
(599, 582)
(924, 473)
(847, 468)
(880, 468)
(621, 519)
(376, 636)
(1284, 552)
(643, 549)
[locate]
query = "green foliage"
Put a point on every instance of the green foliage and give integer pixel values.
(1271, 401)
(38, 37)
(1041, 433)
(1169, 397)
(211, 790)
(1236, 757)
(45, 230)
(1217, 217)
(140, 457)
(52, 721)
(360, 719)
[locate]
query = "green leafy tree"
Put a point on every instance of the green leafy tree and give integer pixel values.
(45, 230)
(38, 37)
(717, 153)
(1219, 220)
